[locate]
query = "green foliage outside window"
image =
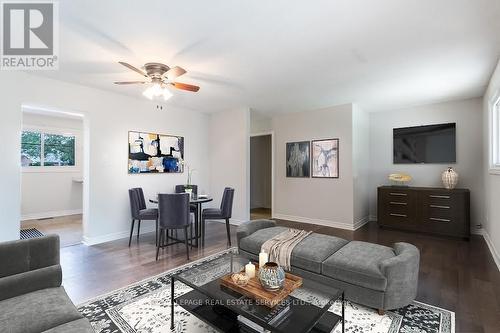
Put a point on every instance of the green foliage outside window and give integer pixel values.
(42, 149)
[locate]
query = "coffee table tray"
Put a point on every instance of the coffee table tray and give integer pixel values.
(255, 290)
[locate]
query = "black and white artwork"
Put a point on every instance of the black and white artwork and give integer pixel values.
(298, 159)
(325, 158)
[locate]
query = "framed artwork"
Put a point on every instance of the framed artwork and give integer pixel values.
(325, 158)
(298, 157)
(155, 153)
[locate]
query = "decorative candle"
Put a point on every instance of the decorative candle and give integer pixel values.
(250, 270)
(263, 259)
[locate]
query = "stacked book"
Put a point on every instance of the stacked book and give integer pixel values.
(273, 317)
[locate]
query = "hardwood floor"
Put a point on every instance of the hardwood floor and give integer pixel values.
(260, 213)
(69, 228)
(454, 274)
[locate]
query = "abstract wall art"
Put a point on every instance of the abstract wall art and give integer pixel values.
(325, 158)
(155, 153)
(298, 159)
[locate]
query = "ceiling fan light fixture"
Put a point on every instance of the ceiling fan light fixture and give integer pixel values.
(156, 90)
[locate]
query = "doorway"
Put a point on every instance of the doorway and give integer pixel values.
(52, 174)
(261, 176)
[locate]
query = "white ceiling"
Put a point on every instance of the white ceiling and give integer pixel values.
(284, 56)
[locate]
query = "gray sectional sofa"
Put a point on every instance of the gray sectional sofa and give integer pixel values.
(32, 299)
(373, 275)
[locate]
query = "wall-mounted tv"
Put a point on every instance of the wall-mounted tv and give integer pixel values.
(425, 144)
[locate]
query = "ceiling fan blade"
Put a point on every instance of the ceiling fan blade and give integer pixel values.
(130, 82)
(129, 66)
(175, 72)
(185, 86)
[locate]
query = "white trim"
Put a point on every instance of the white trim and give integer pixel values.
(44, 215)
(494, 134)
(494, 251)
(327, 223)
(361, 222)
(495, 171)
(117, 235)
(271, 133)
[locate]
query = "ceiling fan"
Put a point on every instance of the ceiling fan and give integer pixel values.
(160, 76)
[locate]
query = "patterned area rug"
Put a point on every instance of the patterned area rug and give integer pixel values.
(145, 307)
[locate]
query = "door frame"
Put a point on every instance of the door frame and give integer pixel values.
(265, 133)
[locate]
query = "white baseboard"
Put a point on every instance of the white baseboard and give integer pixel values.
(328, 223)
(117, 235)
(44, 215)
(361, 222)
(144, 229)
(494, 251)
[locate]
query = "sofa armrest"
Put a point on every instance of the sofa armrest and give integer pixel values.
(29, 265)
(248, 228)
(401, 272)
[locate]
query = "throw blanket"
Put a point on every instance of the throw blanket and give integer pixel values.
(280, 247)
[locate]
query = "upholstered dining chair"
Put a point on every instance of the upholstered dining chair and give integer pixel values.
(222, 213)
(140, 212)
(193, 208)
(173, 214)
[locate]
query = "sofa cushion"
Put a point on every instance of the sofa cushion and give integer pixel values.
(76, 326)
(254, 242)
(37, 311)
(308, 254)
(358, 263)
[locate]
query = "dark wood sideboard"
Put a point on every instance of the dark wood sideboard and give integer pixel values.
(425, 209)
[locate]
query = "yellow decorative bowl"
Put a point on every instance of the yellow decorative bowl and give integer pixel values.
(400, 178)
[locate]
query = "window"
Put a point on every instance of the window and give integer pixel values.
(495, 136)
(45, 149)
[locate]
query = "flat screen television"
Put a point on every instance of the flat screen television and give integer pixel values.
(425, 144)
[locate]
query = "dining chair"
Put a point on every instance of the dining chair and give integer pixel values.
(193, 208)
(173, 214)
(140, 212)
(222, 213)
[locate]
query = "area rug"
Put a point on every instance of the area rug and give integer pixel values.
(145, 307)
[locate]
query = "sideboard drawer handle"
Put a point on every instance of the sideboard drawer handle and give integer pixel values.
(398, 203)
(438, 219)
(439, 196)
(399, 194)
(438, 206)
(398, 215)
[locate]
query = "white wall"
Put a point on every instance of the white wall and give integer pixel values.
(108, 118)
(491, 180)
(259, 123)
(315, 200)
(467, 114)
(229, 151)
(361, 164)
(260, 171)
(51, 191)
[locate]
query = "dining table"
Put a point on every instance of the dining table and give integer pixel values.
(197, 200)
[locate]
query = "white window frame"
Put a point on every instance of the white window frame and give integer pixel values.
(494, 119)
(57, 131)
